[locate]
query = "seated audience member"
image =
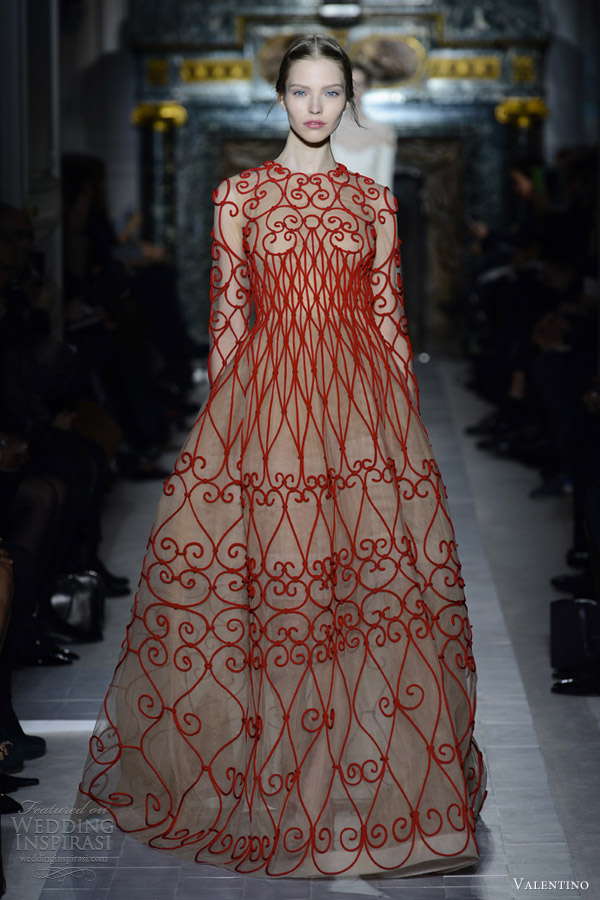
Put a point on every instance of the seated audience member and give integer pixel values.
(42, 294)
(534, 346)
(134, 292)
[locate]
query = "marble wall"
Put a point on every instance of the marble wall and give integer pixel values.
(444, 70)
(29, 133)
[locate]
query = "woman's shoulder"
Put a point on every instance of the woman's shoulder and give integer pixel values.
(378, 194)
(238, 186)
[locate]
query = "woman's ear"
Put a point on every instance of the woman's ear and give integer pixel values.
(281, 102)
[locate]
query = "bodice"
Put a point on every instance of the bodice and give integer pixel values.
(309, 239)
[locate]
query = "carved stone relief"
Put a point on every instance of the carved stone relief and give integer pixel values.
(490, 19)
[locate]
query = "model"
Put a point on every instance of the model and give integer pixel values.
(296, 690)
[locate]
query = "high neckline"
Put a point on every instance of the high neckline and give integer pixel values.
(336, 170)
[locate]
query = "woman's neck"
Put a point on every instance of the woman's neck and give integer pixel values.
(297, 156)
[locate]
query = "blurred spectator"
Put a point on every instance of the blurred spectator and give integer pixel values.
(91, 384)
(533, 342)
(122, 313)
(42, 294)
(366, 146)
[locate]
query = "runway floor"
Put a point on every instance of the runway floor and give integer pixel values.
(541, 821)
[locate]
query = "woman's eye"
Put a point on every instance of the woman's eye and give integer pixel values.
(333, 93)
(298, 93)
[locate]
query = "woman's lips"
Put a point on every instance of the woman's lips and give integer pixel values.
(314, 123)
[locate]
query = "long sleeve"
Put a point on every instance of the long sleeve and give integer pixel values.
(229, 283)
(386, 281)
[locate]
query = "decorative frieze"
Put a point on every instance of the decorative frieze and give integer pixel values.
(417, 64)
(523, 69)
(487, 66)
(215, 69)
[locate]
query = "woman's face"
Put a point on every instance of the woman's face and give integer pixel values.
(314, 99)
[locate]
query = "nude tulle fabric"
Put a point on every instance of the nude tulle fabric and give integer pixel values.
(296, 690)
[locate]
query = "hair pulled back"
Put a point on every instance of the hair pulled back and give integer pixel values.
(317, 46)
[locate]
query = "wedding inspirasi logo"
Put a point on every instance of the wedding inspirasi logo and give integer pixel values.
(44, 834)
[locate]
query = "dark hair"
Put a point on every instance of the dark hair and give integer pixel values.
(317, 46)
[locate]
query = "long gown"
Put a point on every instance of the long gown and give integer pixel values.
(295, 694)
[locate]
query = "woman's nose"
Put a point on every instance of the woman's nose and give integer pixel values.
(315, 105)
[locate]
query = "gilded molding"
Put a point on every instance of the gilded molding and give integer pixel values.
(523, 69)
(157, 72)
(521, 111)
(240, 30)
(198, 70)
(489, 67)
(161, 116)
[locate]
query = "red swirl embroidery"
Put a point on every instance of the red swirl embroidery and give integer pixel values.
(296, 690)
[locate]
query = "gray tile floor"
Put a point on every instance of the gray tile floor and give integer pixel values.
(541, 820)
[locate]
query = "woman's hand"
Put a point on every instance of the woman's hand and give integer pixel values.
(64, 419)
(13, 452)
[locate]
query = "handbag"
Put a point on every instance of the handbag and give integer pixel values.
(78, 604)
(574, 633)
